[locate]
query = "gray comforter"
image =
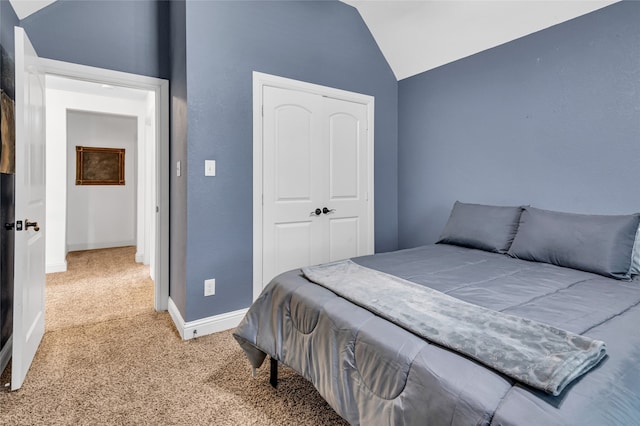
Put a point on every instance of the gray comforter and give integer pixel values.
(374, 372)
(541, 356)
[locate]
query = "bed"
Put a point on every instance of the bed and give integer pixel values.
(575, 274)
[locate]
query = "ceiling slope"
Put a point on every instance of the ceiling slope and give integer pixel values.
(416, 36)
(24, 8)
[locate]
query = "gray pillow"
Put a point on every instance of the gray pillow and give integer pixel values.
(592, 243)
(635, 256)
(489, 228)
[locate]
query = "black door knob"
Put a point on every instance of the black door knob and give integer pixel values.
(318, 212)
(28, 224)
(327, 211)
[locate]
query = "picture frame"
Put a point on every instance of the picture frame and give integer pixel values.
(7, 134)
(99, 166)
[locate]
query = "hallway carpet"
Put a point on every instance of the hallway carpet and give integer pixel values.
(108, 358)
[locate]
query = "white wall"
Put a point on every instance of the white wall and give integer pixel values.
(100, 216)
(58, 103)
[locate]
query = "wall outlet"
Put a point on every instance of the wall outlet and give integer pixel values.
(210, 287)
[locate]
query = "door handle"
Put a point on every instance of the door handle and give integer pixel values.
(27, 224)
(316, 212)
(327, 211)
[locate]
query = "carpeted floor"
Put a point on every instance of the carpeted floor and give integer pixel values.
(108, 358)
(99, 285)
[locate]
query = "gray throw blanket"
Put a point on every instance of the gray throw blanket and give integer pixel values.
(533, 353)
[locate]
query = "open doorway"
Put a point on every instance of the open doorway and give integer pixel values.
(89, 94)
(82, 217)
(99, 236)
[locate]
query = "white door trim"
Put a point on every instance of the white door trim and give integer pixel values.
(161, 89)
(260, 80)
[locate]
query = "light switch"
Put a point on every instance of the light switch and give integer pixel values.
(209, 167)
(178, 169)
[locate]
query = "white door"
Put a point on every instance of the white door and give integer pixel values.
(293, 180)
(315, 180)
(348, 219)
(29, 277)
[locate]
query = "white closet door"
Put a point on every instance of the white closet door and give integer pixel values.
(348, 220)
(294, 175)
(315, 180)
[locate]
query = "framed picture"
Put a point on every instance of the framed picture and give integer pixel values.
(8, 135)
(99, 166)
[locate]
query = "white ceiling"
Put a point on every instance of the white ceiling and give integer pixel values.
(24, 8)
(90, 88)
(419, 35)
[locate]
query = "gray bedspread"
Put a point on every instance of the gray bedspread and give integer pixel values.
(373, 372)
(544, 357)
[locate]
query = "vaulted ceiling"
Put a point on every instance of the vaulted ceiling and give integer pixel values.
(419, 35)
(416, 36)
(25, 8)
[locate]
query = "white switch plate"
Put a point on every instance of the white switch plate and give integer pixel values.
(210, 287)
(209, 167)
(178, 170)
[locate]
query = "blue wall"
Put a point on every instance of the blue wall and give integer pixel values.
(178, 210)
(209, 50)
(551, 119)
(124, 35)
(322, 42)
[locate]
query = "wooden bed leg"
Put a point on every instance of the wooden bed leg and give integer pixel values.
(273, 377)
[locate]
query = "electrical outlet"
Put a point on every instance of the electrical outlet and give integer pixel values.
(210, 287)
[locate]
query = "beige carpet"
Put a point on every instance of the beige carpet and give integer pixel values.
(108, 358)
(99, 285)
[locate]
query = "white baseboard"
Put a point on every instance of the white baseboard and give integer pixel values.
(5, 354)
(56, 267)
(204, 326)
(139, 257)
(95, 246)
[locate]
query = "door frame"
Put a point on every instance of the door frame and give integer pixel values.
(260, 80)
(161, 89)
